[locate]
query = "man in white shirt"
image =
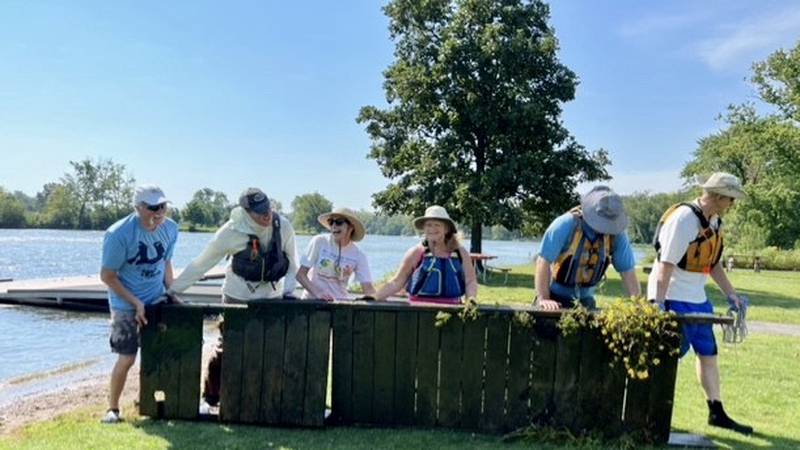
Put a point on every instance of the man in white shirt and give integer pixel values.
(689, 247)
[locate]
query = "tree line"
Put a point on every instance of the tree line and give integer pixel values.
(96, 193)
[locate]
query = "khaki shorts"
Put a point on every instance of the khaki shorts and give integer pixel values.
(124, 338)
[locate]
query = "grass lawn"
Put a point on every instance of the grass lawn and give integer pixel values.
(759, 379)
(759, 384)
(774, 296)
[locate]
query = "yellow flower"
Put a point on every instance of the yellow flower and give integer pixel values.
(642, 374)
(656, 361)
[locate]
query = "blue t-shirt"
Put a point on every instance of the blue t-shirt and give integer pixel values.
(139, 257)
(557, 239)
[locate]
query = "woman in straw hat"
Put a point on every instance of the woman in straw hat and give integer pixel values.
(331, 258)
(437, 270)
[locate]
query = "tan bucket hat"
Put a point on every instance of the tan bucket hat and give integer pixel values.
(358, 228)
(723, 183)
(434, 212)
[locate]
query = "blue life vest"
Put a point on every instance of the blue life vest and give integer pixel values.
(437, 277)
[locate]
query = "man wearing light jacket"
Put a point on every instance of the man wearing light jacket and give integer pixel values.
(263, 265)
(252, 218)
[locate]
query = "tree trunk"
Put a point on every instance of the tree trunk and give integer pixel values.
(475, 241)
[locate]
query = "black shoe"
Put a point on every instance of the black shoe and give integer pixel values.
(718, 418)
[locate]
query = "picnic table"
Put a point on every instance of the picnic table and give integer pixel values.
(478, 260)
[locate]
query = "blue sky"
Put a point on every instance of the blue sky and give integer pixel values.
(265, 93)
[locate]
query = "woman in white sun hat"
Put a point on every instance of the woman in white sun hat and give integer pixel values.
(331, 258)
(437, 270)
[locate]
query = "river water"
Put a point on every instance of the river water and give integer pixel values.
(37, 340)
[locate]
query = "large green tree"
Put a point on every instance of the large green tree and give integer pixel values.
(473, 117)
(207, 208)
(102, 191)
(305, 210)
(764, 152)
(645, 210)
(778, 81)
(12, 211)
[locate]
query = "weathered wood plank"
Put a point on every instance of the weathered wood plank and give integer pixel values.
(405, 367)
(427, 369)
(252, 366)
(609, 413)
(637, 401)
(565, 387)
(342, 395)
(519, 377)
(274, 319)
(452, 336)
(543, 368)
(363, 365)
(384, 353)
(472, 372)
(294, 366)
(319, 333)
(593, 370)
(662, 394)
(191, 324)
(149, 365)
(231, 377)
(496, 373)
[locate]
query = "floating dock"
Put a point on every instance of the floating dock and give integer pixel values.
(88, 293)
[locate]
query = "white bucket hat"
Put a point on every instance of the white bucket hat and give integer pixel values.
(723, 183)
(358, 227)
(602, 209)
(434, 212)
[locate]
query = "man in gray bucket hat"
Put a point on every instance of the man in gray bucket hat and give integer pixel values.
(578, 247)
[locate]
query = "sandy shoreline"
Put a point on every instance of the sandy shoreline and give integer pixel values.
(68, 391)
(88, 391)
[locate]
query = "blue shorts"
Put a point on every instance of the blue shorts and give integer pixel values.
(699, 335)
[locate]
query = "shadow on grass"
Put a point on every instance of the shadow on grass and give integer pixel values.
(184, 434)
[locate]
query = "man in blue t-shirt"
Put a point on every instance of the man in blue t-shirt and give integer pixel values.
(577, 248)
(137, 268)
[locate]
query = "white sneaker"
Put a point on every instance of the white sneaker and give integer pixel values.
(112, 416)
(205, 408)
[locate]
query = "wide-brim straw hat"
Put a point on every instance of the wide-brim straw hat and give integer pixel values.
(358, 228)
(434, 212)
(724, 184)
(603, 210)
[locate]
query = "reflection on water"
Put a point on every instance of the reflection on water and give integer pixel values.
(37, 339)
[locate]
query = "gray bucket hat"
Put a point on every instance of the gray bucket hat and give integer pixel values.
(603, 210)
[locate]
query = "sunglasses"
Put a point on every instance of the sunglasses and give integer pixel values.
(338, 222)
(156, 208)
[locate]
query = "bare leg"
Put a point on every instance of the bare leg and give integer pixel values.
(119, 375)
(708, 376)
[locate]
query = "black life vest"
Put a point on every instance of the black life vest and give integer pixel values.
(254, 264)
(704, 251)
(586, 260)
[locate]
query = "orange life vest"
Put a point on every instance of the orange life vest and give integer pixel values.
(585, 261)
(704, 251)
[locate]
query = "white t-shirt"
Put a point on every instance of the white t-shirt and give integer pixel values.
(331, 267)
(680, 229)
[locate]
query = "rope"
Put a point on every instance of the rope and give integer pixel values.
(735, 333)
